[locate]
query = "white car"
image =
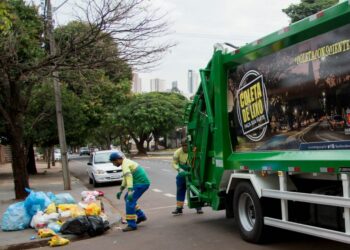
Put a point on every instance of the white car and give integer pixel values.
(101, 170)
(57, 154)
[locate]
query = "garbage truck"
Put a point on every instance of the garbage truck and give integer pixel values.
(268, 131)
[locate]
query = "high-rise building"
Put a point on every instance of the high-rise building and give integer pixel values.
(136, 83)
(174, 84)
(157, 85)
(192, 80)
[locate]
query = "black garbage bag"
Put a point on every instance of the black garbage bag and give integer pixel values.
(97, 226)
(78, 226)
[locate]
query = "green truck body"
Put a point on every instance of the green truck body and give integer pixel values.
(269, 130)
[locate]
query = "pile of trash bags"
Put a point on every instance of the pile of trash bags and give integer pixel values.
(50, 214)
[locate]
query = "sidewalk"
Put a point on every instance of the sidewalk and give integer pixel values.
(160, 154)
(47, 180)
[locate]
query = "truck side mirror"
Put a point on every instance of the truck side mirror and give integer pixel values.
(89, 163)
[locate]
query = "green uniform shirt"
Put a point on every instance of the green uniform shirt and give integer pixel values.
(133, 174)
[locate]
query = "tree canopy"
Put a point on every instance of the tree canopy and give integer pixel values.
(307, 8)
(152, 113)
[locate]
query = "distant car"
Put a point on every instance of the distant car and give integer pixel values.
(101, 170)
(57, 154)
(84, 151)
(337, 122)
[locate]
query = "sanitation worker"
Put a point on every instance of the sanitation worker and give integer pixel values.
(136, 181)
(180, 164)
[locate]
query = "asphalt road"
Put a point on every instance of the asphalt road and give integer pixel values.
(164, 231)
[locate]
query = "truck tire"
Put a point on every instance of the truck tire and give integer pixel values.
(248, 213)
(229, 205)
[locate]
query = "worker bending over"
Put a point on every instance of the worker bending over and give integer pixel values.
(135, 179)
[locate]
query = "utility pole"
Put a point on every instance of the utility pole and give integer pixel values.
(58, 100)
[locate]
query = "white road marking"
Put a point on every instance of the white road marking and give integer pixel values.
(156, 190)
(157, 208)
(165, 170)
(170, 195)
(147, 167)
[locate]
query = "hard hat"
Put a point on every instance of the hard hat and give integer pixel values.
(115, 156)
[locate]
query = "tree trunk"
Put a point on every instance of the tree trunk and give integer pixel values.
(31, 167)
(140, 148)
(139, 144)
(52, 153)
(108, 142)
(19, 156)
(48, 159)
(156, 143)
(166, 141)
(148, 142)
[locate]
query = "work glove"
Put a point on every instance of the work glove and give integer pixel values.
(119, 194)
(130, 195)
(183, 173)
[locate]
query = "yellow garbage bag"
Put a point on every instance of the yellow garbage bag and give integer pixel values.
(93, 209)
(51, 208)
(46, 232)
(67, 207)
(58, 241)
(77, 211)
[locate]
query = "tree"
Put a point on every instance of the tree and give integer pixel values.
(41, 117)
(5, 17)
(307, 8)
(107, 98)
(20, 48)
(131, 27)
(152, 113)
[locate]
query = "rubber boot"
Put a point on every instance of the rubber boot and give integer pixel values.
(177, 211)
(141, 219)
(199, 210)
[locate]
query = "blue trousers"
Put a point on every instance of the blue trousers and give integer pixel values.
(133, 211)
(180, 190)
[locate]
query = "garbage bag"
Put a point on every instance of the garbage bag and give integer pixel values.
(46, 232)
(97, 226)
(89, 193)
(54, 226)
(51, 209)
(89, 198)
(64, 198)
(39, 221)
(36, 201)
(15, 218)
(57, 241)
(93, 209)
(66, 207)
(78, 226)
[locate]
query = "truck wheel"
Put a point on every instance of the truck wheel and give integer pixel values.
(248, 213)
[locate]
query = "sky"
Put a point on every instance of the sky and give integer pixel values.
(196, 25)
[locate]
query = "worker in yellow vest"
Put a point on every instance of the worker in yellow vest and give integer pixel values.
(135, 179)
(180, 164)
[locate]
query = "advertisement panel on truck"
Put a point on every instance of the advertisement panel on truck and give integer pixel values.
(295, 99)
